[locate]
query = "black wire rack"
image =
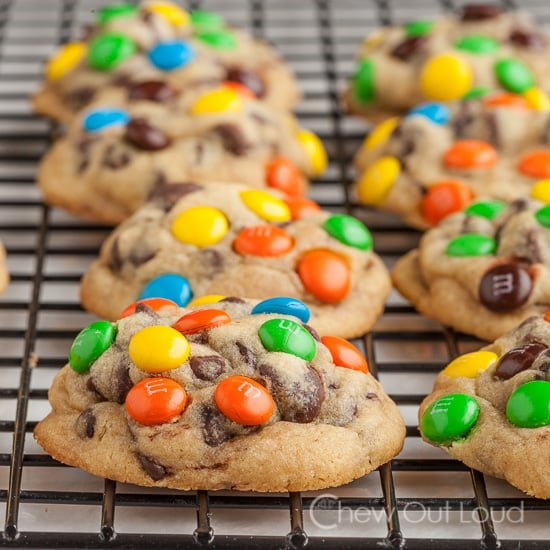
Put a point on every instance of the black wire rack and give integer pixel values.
(421, 500)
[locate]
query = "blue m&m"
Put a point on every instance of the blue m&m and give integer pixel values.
(170, 286)
(171, 55)
(436, 112)
(100, 119)
(284, 306)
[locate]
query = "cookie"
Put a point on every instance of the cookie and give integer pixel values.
(4, 275)
(114, 158)
(491, 408)
(229, 396)
(160, 41)
(228, 239)
(482, 48)
(481, 271)
(438, 157)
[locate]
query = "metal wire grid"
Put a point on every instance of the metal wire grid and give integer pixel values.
(40, 314)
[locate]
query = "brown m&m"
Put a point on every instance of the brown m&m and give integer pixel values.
(505, 287)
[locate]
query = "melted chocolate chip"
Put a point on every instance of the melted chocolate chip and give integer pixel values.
(463, 119)
(478, 12)
(545, 138)
(121, 381)
(141, 255)
(198, 337)
(371, 395)
(199, 152)
(213, 258)
(260, 119)
(233, 300)
(151, 90)
(116, 157)
(115, 258)
(247, 354)
(233, 139)
(518, 359)
(492, 129)
(208, 367)
(247, 78)
(122, 79)
(79, 98)
(86, 423)
(409, 47)
(213, 429)
(167, 194)
(313, 332)
(144, 308)
(530, 248)
(533, 41)
(155, 471)
(505, 287)
(144, 136)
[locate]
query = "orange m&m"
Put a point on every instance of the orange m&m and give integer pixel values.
(325, 274)
(244, 400)
(241, 89)
(156, 304)
(506, 99)
(300, 207)
(282, 174)
(156, 401)
(345, 354)
(547, 316)
(263, 240)
(536, 164)
(470, 153)
(203, 319)
(444, 198)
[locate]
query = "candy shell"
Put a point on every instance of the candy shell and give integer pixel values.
(314, 149)
(221, 39)
(345, 354)
(206, 300)
(158, 348)
(300, 207)
(171, 286)
(505, 287)
(349, 231)
(381, 133)
(244, 400)
(513, 75)
(155, 401)
(529, 405)
(265, 205)
(107, 14)
(444, 198)
(543, 216)
(218, 101)
(478, 44)
(65, 60)
(156, 304)
(470, 153)
(445, 78)
(102, 118)
(541, 191)
(241, 89)
(284, 335)
(90, 344)
(536, 164)
(200, 226)
(506, 99)
(171, 55)
(172, 13)
(203, 319)
(363, 82)
(471, 244)
(449, 418)
(108, 50)
(263, 240)
(537, 99)
(470, 365)
(283, 305)
(476, 92)
(485, 209)
(284, 175)
(518, 359)
(206, 20)
(420, 27)
(378, 179)
(438, 113)
(325, 275)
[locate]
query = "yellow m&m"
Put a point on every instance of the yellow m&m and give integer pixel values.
(174, 14)
(541, 191)
(218, 101)
(380, 134)
(200, 226)
(158, 349)
(206, 300)
(314, 150)
(66, 59)
(445, 77)
(266, 206)
(537, 99)
(470, 365)
(377, 181)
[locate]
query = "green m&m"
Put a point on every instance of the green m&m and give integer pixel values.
(477, 44)
(471, 244)
(219, 39)
(108, 50)
(363, 81)
(449, 418)
(348, 230)
(89, 344)
(204, 20)
(543, 216)
(514, 75)
(289, 337)
(476, 92)
(485, 209)
(115, 11)
(529, 405)
(420, 27)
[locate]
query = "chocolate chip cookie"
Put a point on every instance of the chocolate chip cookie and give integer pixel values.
(438, 157)
(484, 270)
(114, 158)
(129, 45)
(232, 395)
(229, 239)
(491, 408)
(481, 48)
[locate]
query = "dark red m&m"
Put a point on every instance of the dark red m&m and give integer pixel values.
(518, 359)
(505, 287)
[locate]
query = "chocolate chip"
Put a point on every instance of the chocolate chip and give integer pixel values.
(198, 337)
(213, 429)
(299, 397)
(213, 258)
(371, 395)
(463, 119)
(545, 138)
(492, 129)
(79, 98)
(533, 41)
(233, 300)
(247, 354)
(121, 381)
(199, 152)
(409, 47)
(248, 78)
(260, 119)
(122, 79)
(313, 332)
(115, 258)
(477, 12)
(148, 310)
(518, 359)
(116, 157)
(151, 90)
(155, 471)
(208, 367)
(167, 194)
(85, 423)
(233, 139)
(144, 136)
(141, 254)
(505, 287)
(530, 247)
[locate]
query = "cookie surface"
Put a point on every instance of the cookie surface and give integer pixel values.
(228, 239)
(114, 158)
(4, 275)
(439, 156)
(481, 48)
(491, 408)
(481, 271)
(160, 41)
(227, 400)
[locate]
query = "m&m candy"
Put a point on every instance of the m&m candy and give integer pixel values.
(218, 101)
(220, 39)
(419, 27)
(200, 226)
(505, 287)
(171, 286)
(66, 59)
(171, 55)
(300, 207)
(438, 113)
(445, 77)
(102, 118)
(172, 13)
(471, 244)
(345, 354)
(449, 418)
(106, 14)
(156, 304)
(537, 99)
(287, 336)
(265, 205)
(363, 82)
(108, 50)
(206, 300)
(206, 20)
(478, 44)
(518, 359)
(529, 405)
(513, 75)
(325, 274)
(543, 216)
(348, 230)
(283, 305)
(541, 191)
(90, 344)
(244, 400)
(156, 401)
(158, 349)
(444, 198)
(381, 133)
(284, 175)
(203, 319)
(470, 153)
(314, 150)
(536, 164)
(485, 209)
(470, 365)
(378, 179)
(506, 99)
(263, 240)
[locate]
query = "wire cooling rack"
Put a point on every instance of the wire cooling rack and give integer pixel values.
(422, 500)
